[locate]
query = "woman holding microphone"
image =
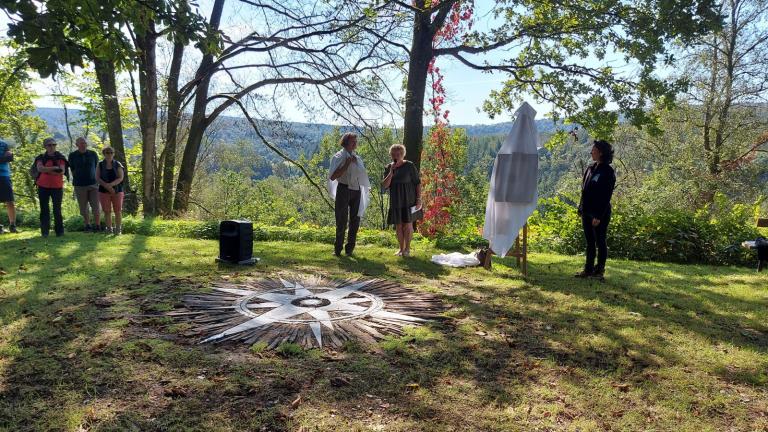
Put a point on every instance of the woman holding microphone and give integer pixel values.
(402, 180)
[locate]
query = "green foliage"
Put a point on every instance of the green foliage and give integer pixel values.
(258, 347)
(673, 169)
(710, 235)
(565, 51)
(90, 121)
(290, 350)
(556, 226)
(17, 126)
(75, 32)
(185, 228)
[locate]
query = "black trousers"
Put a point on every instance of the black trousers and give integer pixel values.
(596, 239)
(346, 208)
(56, 196)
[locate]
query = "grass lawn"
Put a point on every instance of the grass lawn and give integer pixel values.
(657, 347)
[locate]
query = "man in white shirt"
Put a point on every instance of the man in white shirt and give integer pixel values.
(347, 169)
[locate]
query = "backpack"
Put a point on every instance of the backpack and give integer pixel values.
(34, 173)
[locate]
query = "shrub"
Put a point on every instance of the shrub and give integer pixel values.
(210, 230)
(707, 236)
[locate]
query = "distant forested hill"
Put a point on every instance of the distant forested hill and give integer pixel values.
(303, 138)
(296, 138)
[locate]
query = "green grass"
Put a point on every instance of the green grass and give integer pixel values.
(657, 347)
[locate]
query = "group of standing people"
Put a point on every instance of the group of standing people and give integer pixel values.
(348, 184)
(98, 186)
(348, 179)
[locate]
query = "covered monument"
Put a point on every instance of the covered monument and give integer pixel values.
(513, 191)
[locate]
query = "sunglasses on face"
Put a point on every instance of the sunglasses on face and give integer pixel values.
(108, 152)
(50, 145)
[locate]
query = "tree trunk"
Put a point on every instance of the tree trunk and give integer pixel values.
(421, 55)
(724, 115)
(105, 75)
(709, 107)
(66, 124)
(199, 121)
(146, 43)
(172, 128)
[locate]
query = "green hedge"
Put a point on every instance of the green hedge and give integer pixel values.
(667, 236)
(210, 230)
(702, 236)
(705, 236)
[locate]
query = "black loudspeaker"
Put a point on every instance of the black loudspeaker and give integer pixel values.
(236, 242)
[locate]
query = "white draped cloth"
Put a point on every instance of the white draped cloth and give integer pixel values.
(456, 259)
(513, 193)
(357, 173)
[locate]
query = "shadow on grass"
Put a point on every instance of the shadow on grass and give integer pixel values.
(68, 343)
(504, 338)
(683, 299)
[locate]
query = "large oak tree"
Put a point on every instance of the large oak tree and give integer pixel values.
(559, 52)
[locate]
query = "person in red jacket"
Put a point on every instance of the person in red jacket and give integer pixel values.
(51, 168)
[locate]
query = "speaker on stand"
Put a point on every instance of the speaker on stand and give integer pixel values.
(236, 242)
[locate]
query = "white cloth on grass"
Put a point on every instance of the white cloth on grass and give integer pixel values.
(513, 193)
(456, 259)
(356, 174)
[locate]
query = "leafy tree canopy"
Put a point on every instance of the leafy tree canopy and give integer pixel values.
(70, 32)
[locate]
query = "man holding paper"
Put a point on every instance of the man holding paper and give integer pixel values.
(348, 185)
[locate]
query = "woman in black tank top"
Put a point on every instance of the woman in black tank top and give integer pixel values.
(109, 174)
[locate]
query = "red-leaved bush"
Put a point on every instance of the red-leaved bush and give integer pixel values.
(439, 170)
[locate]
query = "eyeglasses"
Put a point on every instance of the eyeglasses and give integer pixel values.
(108, 152)
(50, 145)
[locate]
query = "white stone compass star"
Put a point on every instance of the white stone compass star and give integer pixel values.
(315, 307)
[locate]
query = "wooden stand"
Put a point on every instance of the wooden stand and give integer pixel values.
(521, 253)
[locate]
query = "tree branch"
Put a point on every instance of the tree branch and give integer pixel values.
(277, 150)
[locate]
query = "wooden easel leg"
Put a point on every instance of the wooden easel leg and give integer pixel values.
(487, 260)
(517, 251)
(525, 250)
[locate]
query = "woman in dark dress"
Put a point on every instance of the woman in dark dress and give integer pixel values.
(401, 178)
(595, 208)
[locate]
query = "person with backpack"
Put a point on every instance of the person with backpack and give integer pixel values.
(110, 174)
(82, 163)
(49, 170)
(6, 188)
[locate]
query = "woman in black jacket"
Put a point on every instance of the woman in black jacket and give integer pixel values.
(595, 207)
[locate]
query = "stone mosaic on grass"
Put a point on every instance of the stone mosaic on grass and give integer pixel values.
(307, 310)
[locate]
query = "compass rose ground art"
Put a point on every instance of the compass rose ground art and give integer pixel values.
(309, 311)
